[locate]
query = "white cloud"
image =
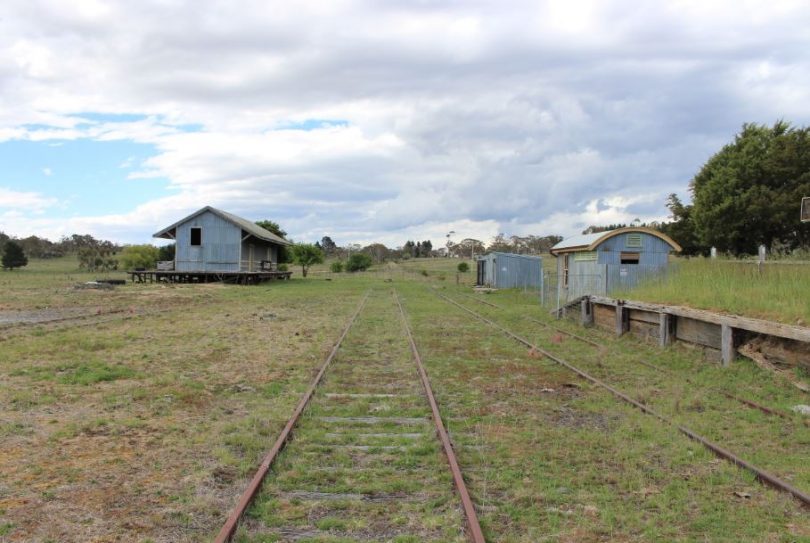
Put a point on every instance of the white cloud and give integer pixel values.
(47, 172)
(18, 202)
(493, 117)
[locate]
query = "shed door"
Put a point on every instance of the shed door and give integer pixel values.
(195, 253)
(480, 270)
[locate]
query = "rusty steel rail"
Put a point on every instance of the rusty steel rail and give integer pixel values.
(228, 529)
(744, 401)
(475, 533)
(761, 475)
(541, 323)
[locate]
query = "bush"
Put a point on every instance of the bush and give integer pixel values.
(13, 256)
(282, 267)
(139, 256)
(424, 272)
(463, 267)
(306, 254)
(358, 262)
(336, 267)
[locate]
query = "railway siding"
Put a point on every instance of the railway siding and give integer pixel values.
(717, 430)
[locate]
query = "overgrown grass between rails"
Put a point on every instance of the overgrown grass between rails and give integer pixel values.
(779, 292)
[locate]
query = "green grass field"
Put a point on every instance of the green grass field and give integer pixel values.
(780, 292)
(147, 427)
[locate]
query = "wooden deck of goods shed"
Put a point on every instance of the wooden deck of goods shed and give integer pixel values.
(240, 278)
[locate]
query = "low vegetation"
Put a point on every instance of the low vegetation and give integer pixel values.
(778, 290)
(148, 427)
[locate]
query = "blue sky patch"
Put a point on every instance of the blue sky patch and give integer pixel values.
(110, 117)
(87, 177)
(314, 124)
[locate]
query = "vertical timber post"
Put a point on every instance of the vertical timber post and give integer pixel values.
(727, 344)
(586, 315)
(620, 318)
(665, 329)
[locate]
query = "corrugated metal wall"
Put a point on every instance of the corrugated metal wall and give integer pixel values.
(607, 274)
(653, 251)
(220, 245)
(505, 270)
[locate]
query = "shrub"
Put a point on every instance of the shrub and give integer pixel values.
(283, 267)
(463, 267)
(13, 256)
(336, 267)
(358, 262)
(139, 256)
(424, 272)
(306, 254)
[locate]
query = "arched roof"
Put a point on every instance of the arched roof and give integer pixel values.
(589, 242)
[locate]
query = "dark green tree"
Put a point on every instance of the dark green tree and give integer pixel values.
(13, 256)
(284, 254)
(305, 255)
(750, 191)
(409, 248)
(273, 227)
(166, 252)
(329, 247)
(682, 227)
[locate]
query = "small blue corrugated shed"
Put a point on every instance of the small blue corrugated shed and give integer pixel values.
(606, 261)
(507, 270)
(212, 240)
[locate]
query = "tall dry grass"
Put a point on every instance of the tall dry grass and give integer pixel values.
(780, 291)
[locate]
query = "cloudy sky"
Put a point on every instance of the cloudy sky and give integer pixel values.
(379, 121)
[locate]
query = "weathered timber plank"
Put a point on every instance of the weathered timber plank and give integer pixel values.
(604, 316)
(696, 331)
(799, 333)
(644, 330)
(643, 316)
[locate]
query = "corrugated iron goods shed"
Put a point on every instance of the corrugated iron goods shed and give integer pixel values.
(212, 240)
(507, 270)
(600, 263)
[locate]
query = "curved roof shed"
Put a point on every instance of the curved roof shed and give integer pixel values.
(614, 260)
(590, 242)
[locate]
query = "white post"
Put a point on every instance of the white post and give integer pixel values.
(713, 253)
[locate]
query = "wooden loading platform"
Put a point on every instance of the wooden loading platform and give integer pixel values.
(720, 334)
(240, 278)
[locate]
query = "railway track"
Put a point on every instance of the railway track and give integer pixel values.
(365, 463)
(762, 475)
(747, 402)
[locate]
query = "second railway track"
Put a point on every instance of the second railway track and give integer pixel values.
(365, 463)
(765, 477)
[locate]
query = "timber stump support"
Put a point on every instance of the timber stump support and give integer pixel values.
(622, 320)
(586, 315)
(666, 329)
(727, 344)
